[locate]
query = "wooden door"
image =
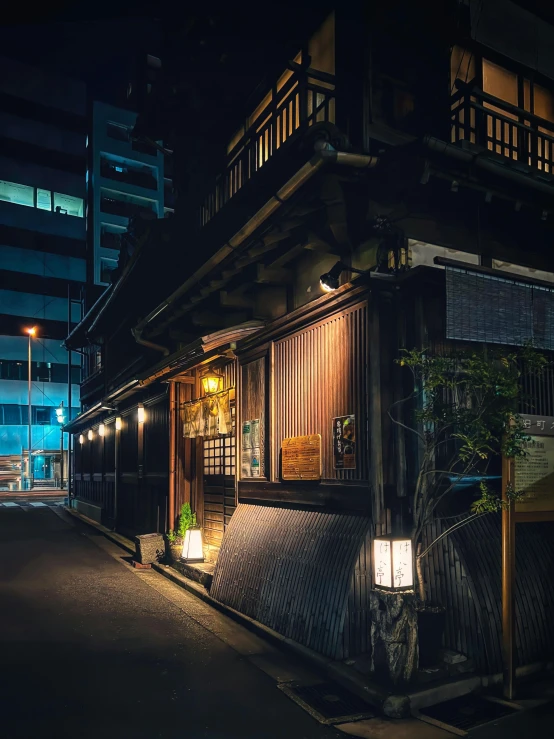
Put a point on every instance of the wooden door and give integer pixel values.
(219, 487)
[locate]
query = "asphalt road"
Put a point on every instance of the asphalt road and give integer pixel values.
(91, 648)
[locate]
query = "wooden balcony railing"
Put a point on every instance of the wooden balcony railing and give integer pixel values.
(502, 128)
(305, 98)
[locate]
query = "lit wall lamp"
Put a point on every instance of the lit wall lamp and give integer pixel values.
(192, 547)
(393, 563)
(90, 434)
(81, 439)
(330, 280)
(101, 430)
(140, 413)
(212, 383)
(118, 424)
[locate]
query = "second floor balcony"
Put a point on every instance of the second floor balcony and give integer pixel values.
(301, 98)
(487, 123)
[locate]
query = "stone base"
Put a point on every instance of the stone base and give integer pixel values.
(149, 548)
(394, 637)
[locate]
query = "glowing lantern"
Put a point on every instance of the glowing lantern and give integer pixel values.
(212, 383)
(118, 424)
(140, 414)
(192, 547)
(81, 439)
(393, 565)
(101, 430)
(90, 434)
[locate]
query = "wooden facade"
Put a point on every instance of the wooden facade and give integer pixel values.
(372, 170)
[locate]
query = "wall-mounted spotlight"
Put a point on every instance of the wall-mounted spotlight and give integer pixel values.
(330, 280)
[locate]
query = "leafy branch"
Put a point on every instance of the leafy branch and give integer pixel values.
(463, 410)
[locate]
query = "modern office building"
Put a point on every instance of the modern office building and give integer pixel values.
(71, 180)
(125, 178)
(42, 259)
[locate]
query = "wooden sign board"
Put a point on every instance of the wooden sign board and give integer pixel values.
(534, 475)
(301, 458)
(534, 472)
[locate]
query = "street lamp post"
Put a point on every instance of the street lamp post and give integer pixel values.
(61, 420)
(31, 332)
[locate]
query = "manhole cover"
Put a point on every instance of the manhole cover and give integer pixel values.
(329, 703)
(468, 711)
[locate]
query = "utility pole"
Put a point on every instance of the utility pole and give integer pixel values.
(61, 420)
(31, 332)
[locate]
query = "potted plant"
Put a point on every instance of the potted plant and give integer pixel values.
(176, 538)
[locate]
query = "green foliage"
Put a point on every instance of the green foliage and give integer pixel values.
(464, 411)
(187, 519)
(171, 536)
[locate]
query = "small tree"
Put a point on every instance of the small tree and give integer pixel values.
(463, 411)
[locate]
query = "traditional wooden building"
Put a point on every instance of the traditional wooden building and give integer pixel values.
(412, 162)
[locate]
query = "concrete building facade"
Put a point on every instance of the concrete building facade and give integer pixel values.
(42, 256)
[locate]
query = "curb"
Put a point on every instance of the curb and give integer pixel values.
(342, 674)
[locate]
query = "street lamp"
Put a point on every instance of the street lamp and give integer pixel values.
(30, 332)
(60, 415)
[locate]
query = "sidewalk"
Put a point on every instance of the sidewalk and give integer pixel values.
(416, 727)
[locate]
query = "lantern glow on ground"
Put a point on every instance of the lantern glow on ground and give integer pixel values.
(192, 547)
(393, 567)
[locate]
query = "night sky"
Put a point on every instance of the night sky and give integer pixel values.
(99, 42)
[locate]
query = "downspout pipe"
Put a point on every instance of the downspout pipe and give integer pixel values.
(325, 155)
(137, 335)
(173, 411)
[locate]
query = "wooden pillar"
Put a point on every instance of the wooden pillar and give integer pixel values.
(375, 414)
(173, 424)
(508, 582)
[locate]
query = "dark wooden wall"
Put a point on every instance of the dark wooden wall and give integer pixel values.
(291, 569)
(142, 484)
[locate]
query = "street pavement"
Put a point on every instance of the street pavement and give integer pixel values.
(91, 647)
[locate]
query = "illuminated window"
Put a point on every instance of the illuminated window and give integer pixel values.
(44, 199)
(219, 456)
(68, 205)
(11, 192)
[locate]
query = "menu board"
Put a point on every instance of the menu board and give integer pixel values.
(301, 458)
(534, 475)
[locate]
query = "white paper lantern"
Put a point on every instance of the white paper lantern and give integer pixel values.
(192, 547)
(393, 564)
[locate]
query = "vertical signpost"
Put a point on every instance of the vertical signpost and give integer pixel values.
(508, 581)
(533, 475)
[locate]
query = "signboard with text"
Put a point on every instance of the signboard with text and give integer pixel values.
(534, 471)
(301, 458)
(344, 442)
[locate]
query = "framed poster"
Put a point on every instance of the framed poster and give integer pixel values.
(344, 442)
(250, 453)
